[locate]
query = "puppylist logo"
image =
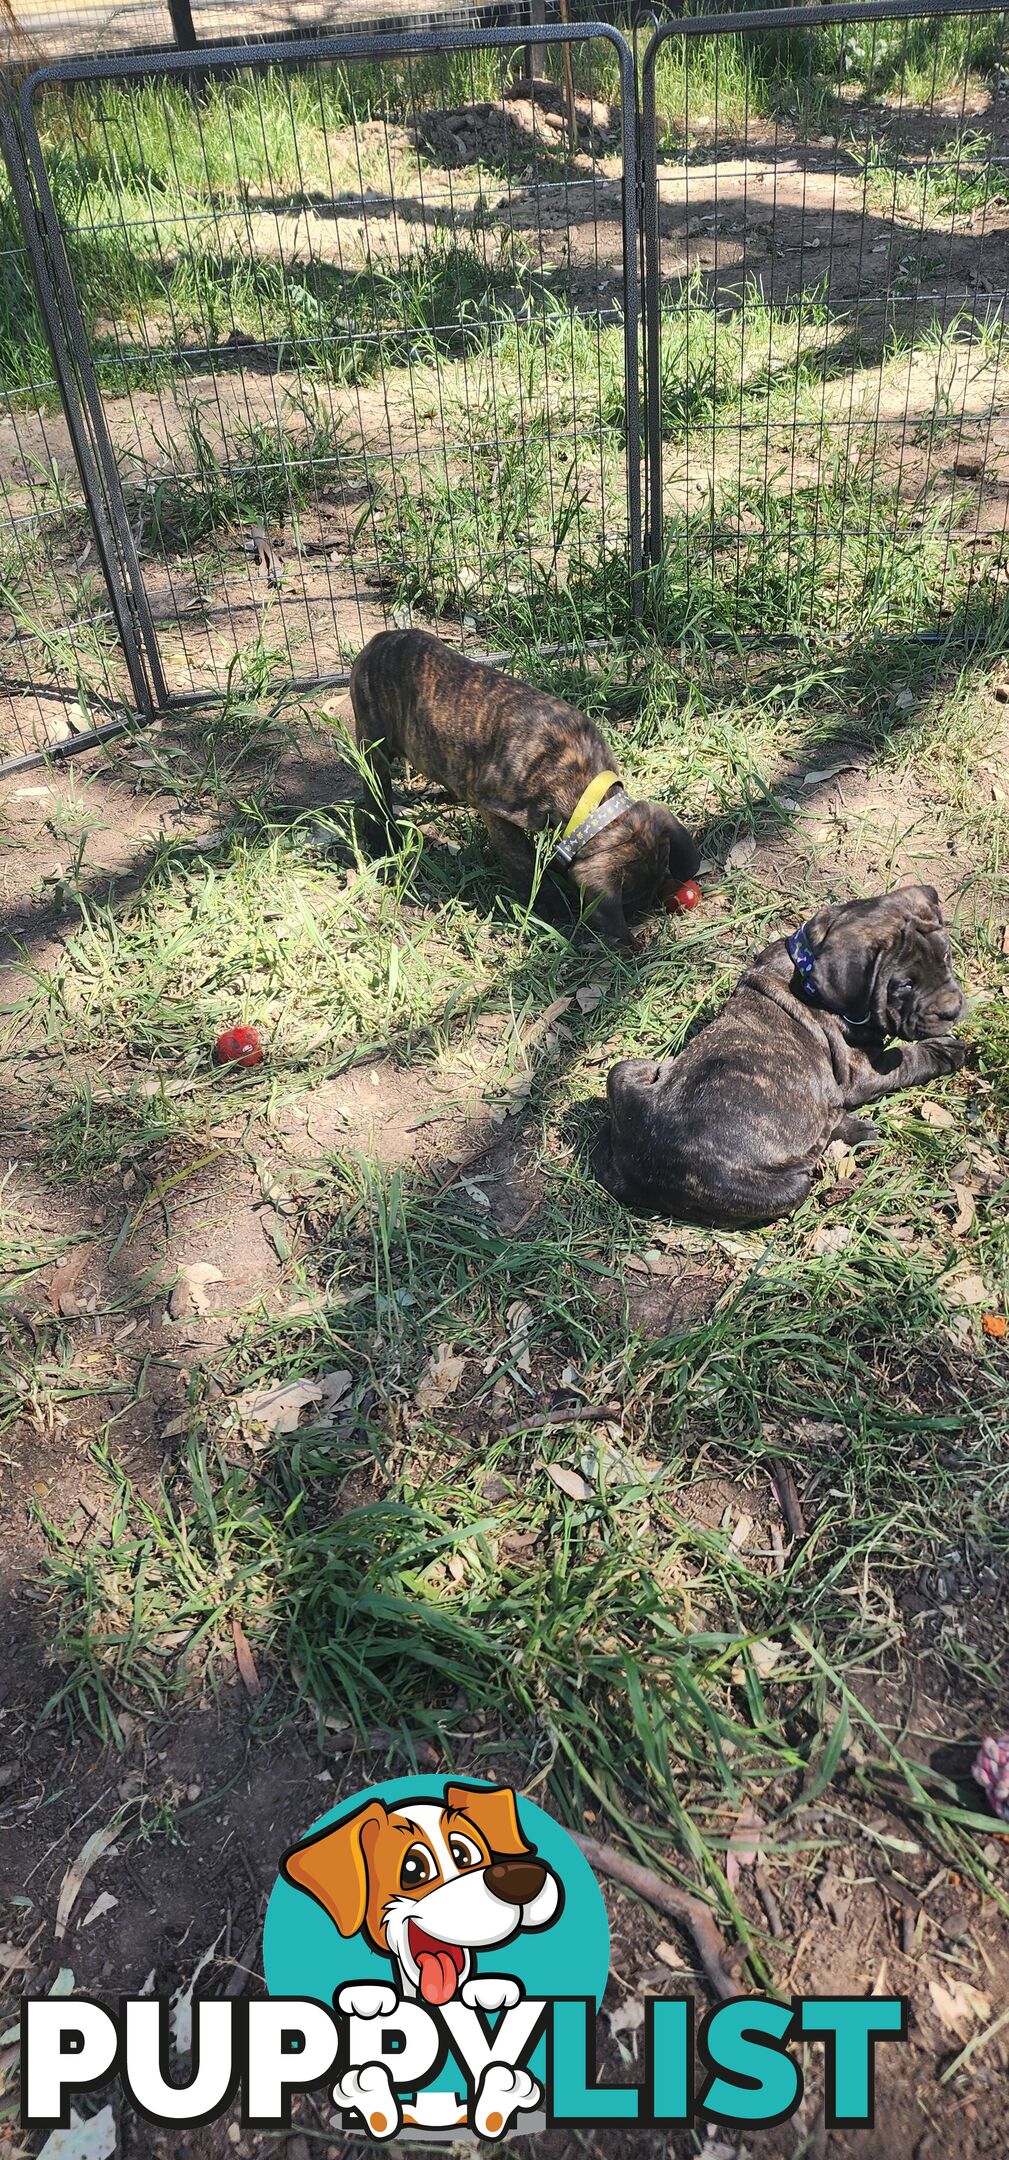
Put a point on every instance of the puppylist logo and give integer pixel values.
(436, 1953)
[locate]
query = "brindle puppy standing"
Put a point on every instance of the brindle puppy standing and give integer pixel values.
(730, 1131)
(520, 759)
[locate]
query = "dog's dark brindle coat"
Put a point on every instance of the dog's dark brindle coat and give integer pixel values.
(730, 1131)
(517, 757)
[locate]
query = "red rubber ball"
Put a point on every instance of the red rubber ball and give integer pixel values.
(681, 896)
(238, 1046)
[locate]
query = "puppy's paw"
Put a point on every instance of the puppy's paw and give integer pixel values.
(372, 834)
(503, 2094)
(366, 2001)
(948, 1054)
(491, 1991)
(369, 2091)
(859, 1132)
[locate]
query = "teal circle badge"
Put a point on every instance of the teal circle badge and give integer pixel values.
(416, 1907)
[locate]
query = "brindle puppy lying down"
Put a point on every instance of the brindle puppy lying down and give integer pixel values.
(525, 762)
(730, 1131)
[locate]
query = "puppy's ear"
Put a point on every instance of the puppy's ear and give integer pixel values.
(684, 853)
(922, 902)
(494, 1814)
(818, 925)
(848, 953)
(333, 1866)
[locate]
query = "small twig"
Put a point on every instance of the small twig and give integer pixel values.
(768, 1901)
(470, 1164)
(607, 1414)
(245, 1967)
(787, 1497)
(722, 1972)
(377, 1738)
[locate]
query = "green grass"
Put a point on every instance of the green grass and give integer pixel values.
(407, 1569)
(378, 1574)
(954, 183)
(434, 383)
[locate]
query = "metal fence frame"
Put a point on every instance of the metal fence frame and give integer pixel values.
(641, 265)
(76, 376)
(685, 30)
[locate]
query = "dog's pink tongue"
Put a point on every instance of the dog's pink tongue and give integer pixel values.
(437, 1976)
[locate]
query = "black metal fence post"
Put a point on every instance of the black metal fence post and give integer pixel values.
(13, 157)
(183, 27)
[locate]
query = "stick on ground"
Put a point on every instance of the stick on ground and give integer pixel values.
(722, 1972)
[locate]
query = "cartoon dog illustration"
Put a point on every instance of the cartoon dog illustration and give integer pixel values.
(430, 1883)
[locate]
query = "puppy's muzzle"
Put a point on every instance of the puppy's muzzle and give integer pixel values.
(515, 1882)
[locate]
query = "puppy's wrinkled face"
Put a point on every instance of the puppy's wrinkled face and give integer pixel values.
(888, 961)
(639, 853)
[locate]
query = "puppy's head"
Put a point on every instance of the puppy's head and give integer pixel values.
(625, 868)
(887, 961)
(430, 1881)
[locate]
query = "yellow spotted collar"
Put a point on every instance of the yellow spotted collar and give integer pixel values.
(591, 814)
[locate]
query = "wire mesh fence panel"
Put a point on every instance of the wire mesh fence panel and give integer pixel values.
(828, 263)
(363, 330)
(39, 31)
(33, 32)
(62, 669)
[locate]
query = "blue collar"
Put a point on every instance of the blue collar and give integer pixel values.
(803, 960)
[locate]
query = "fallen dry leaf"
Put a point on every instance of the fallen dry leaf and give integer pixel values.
(744, 1845)
(568, 1481)
(965, 1210)
(181, 2017)
(245, 1661)
(104, 1903)
(62, 1280)
(336, 1386)
(765, 1655)
(995, 1324)
(715, 2148)
(278, 1409)
(189, 1290)
(441, 1378)
(77, 1873)
(591, 994)
(742, 853)
(830, 1238)
(968, 1289)
(959, 2007)
(519, 1320)
(91, 2140)
(936, 1114)
(475, 1192)
(627, 2017)
(830, 772)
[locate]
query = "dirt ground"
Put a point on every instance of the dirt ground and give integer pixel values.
(859, 1898)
